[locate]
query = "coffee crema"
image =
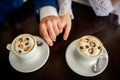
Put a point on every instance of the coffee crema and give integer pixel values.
(23, 44)
(89, 46)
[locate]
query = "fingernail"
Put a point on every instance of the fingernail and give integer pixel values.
(65, 39)
(54, 40)
(61, 31)
(51, 44)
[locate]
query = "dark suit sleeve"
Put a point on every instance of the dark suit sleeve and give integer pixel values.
(41, 3)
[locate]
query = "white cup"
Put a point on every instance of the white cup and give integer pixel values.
(24, 46)
(89, 48)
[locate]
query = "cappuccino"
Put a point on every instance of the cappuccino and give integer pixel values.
(23, 44)
(89, 46)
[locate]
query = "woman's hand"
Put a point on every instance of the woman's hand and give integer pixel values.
(66, 23)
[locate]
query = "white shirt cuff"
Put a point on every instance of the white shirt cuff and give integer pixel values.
(47, 11)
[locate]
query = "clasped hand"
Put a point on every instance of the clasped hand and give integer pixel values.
(51, 26)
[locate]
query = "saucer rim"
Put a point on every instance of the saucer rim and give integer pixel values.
(94, 74)
(38, 66)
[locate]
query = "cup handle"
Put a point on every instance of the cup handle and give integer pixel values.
(8, 46)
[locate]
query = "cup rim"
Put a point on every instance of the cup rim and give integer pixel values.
(91, 57)
(12, 46)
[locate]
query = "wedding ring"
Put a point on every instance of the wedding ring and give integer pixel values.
(56, 27)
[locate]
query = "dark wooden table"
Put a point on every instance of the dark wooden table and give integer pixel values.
(56, 68)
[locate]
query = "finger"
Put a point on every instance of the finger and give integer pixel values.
(56, 29)
(60, 26)
(51, 30)
(67, 31)
(44, 34)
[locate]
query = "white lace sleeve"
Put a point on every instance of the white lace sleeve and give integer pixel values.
(117, 12)
(64, 7)
(101, 7)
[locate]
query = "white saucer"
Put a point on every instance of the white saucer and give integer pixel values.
(79, 66)
(32, 65)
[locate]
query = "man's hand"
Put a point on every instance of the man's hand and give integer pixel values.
(50, 28)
